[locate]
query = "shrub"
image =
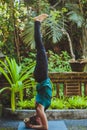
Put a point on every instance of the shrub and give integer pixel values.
(58, 63)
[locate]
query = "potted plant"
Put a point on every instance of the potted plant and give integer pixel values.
(79, 64)
(77, 16)
(58, 30)
(77, 20)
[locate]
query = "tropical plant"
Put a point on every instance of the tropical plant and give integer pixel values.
(54, 25)
(74, 102)
(77, 102)
(16, 19)
(51, 28)
(27, 104)
(18, 78)
(76, 15)
(57, 104)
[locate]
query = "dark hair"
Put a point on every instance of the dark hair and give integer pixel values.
(33, 120)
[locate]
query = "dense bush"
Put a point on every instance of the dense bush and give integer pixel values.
(58, 63)
(74, 102)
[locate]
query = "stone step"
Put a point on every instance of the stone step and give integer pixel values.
(53, 125)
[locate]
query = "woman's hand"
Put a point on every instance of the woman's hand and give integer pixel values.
(31, 126)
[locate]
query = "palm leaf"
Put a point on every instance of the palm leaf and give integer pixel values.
(14, 69)
(76, 17)
(5, 88)
(6, 75)
(28, 34)
(75, 14)
(53, 30)
(4, 65)
(28, 69)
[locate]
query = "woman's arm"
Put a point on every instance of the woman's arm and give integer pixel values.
(44, 123)
(37, 127)
(41, 119)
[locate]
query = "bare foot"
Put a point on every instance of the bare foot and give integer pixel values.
(41, 17)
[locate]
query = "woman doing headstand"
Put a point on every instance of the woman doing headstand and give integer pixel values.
(44, 88)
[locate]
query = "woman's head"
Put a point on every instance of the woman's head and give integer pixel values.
(34, 120)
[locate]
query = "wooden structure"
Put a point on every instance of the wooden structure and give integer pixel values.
(72, 82)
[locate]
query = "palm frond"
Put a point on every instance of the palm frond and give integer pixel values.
(5, 74)
(53, 30)
(5, 67)
(5, 88)
(28, 69)
(28, 34)
(14, 69)
(75, 14)
(76, 17)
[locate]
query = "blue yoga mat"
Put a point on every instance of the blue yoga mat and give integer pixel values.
(53, 125)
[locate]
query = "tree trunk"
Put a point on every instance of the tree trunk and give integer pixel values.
(84, 41)
(15, 33)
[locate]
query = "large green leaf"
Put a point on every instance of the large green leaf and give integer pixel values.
(53, 27)
(6, 75)
(14, 69)
(76, 17)
(28, 34)
(75, 14)
(5, 88)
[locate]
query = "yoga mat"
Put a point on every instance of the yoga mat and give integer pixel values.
(53, 125)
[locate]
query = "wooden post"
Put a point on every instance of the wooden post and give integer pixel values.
(57, 89)
(85, 89)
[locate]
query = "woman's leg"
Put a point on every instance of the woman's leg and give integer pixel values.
(41, 68)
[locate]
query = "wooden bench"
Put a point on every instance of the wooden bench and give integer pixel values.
(72, 82)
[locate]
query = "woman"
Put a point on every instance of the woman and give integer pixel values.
(44, 88)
